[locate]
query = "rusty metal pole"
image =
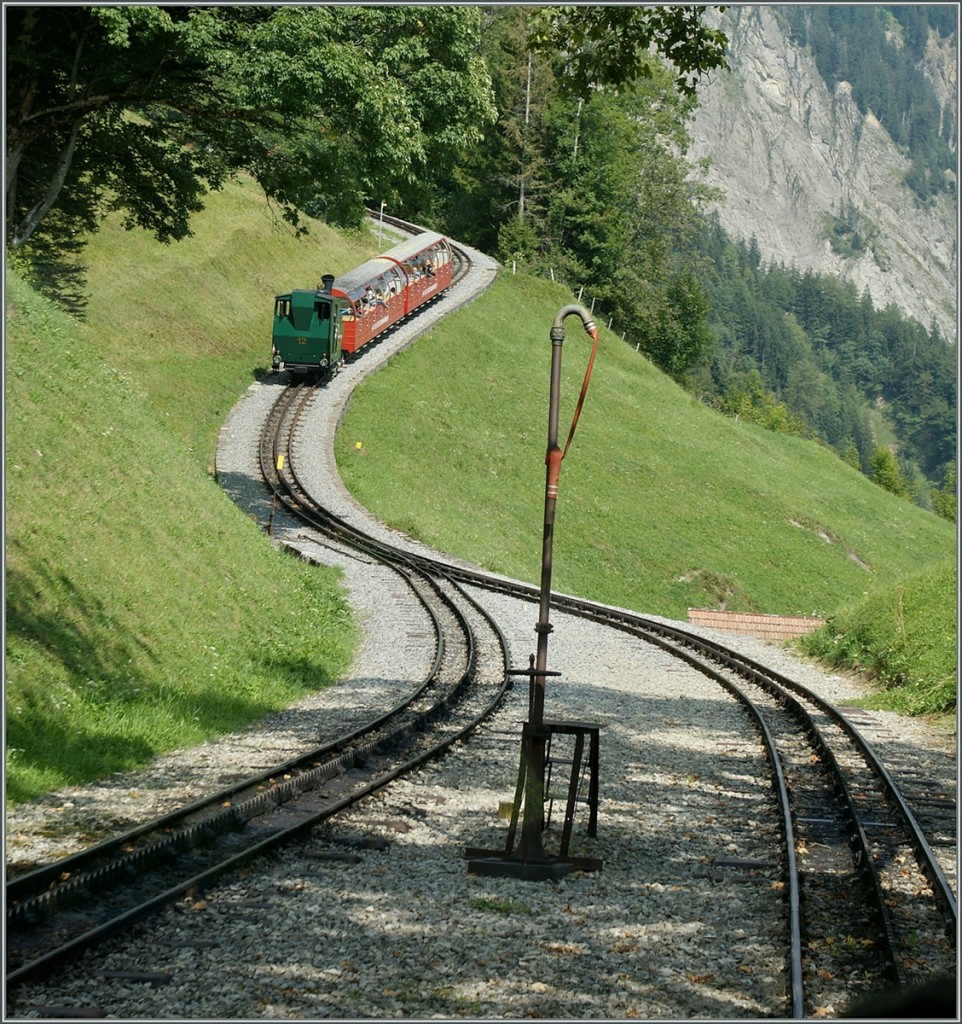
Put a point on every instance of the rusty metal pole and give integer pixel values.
(529, 860)
(535, 735)
(553, 462)
(534, 739)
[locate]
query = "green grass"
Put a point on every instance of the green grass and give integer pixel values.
(146, 612)
(500, 905)
(190, 324)
(663, 503)
(901, 637)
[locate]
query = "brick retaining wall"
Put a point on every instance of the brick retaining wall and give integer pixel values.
(764, 627)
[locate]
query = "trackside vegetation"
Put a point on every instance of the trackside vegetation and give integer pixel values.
(902, 637)
(145, 612)
(664, 504)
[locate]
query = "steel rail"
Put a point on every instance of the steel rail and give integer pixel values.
(86, 869)
(796, 973)
(927, 860)
(258, 803)
(675, 640)
(67, 877)
(926, 857)
(862, 859)
(772, 683)
(42, 891)
(776, 682)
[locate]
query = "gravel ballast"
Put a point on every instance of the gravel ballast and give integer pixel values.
(377, 915)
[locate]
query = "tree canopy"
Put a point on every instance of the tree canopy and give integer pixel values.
(611, 46)
(820, 348)
(144, 109)
(592, 187)
(554, 136)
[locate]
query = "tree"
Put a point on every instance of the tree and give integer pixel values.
(594, 188)
(806, 391)
(144, 109)
(836, 362)
(944, 501)
(850, 455)
(610, 46)
(747, 399)
(526, 87)
(885, 471)
(517, 240)
(682, 340)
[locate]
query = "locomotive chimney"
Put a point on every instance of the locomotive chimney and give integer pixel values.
(327, 282)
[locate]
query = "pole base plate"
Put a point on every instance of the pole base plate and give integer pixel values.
(496, 863)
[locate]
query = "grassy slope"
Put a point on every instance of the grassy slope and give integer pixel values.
(145, 612)
(190, 323)
(897, 635)
(663, 503)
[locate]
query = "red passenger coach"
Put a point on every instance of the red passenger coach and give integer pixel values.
(384, 290)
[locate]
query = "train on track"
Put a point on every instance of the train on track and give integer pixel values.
(314, 330)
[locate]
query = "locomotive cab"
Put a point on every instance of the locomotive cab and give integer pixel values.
(307, 330)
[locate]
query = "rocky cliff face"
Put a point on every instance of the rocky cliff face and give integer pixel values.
(790, 155)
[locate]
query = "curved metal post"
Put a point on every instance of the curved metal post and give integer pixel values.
(553, 461)
(530, 861)
(535, 734)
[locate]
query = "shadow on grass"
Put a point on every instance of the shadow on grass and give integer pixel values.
(100, 699)
(57, 270)
(48, 608)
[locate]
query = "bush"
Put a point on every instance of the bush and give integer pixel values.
(904, 638)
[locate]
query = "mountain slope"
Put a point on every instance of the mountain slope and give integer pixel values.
(793, 158)
(145, 611)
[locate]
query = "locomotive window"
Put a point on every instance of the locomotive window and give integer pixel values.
(323, 311)
(283, 307)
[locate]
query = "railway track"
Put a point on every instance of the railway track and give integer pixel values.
(866, 894)
(57, 911)
(867, 890)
